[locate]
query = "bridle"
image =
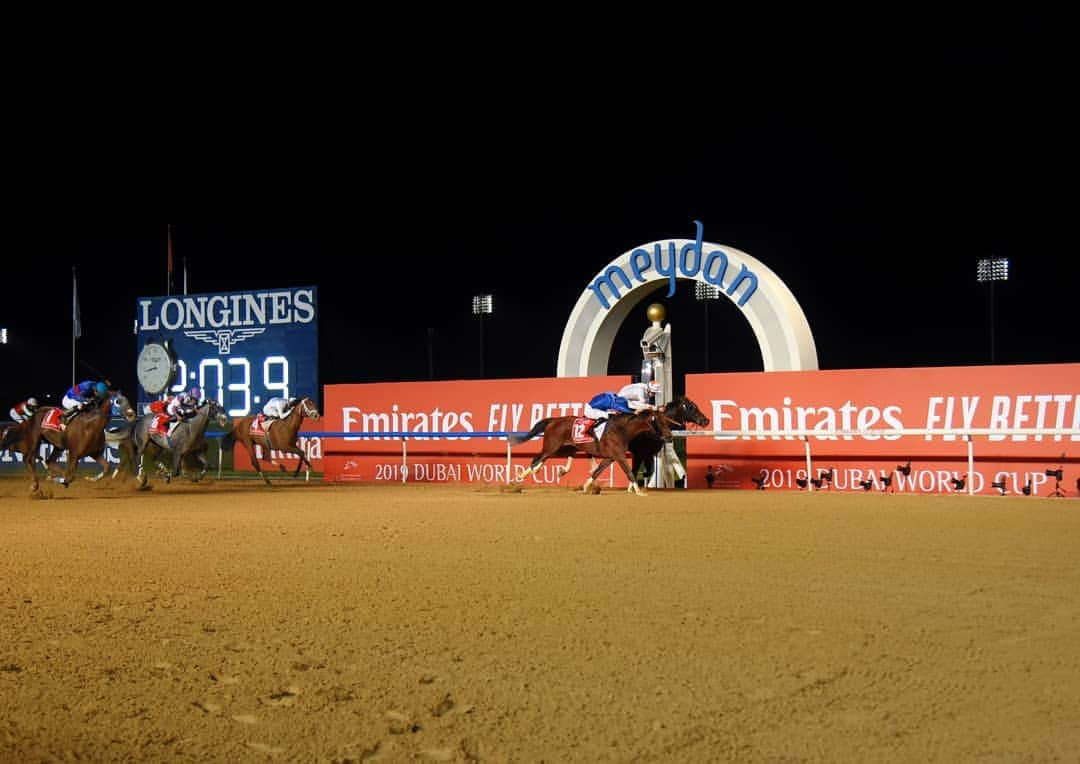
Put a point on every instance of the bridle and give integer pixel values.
(308, 407)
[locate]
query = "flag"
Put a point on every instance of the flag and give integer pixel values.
(76, 316)
(168, 285)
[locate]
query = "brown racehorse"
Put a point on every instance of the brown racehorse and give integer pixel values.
(559, 440)
(84, 435)
(679, 412)
(16, 438)
(281, 436)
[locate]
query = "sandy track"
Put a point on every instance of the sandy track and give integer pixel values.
(230, 622)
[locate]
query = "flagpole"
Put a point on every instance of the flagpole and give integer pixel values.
(75, 328)
(184, 260)
(169, 265)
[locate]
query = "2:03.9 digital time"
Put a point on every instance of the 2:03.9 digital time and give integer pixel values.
(230, 381)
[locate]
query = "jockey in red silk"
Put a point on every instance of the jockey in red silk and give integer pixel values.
(23, 410)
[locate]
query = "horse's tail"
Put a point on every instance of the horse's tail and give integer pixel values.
(536, 430)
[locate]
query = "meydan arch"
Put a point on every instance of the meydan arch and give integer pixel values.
(775, 317)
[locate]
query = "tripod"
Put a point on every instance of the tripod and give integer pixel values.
(1057, 493)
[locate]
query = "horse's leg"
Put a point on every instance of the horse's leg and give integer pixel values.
(104, 463)
(621, 460)
(200, 457)
(126, 448)
(251, 444)
(536, 462)
(604, 462)
(33, 446)
(560, 472)
(303, 460)
(51, 470)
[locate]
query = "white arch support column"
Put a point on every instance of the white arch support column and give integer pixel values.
(777, 320)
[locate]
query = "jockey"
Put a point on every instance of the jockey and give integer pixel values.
(278, 408)
(637, 396)
(183, 405)
(23, 410)
(640, 395)
(81, 395)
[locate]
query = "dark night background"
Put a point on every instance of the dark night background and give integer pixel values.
(870, 176)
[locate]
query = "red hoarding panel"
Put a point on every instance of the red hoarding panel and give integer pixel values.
(461, 406)
(999, 398)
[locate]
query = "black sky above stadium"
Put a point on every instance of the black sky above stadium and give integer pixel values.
(870, 176)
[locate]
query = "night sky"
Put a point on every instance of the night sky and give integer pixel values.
(869, 177)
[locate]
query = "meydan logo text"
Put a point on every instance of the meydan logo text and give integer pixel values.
(688, 263)
(224, 311)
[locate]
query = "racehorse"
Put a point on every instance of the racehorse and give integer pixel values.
(118, 434)
(187, 438)
(561, 438)
(16, 438)
(278, 435)
(646, 446)
(83, 435)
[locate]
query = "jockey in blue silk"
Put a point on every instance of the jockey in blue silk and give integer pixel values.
(82, 394)
(637, 396)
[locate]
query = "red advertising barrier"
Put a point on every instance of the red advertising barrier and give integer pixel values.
(474, 408)
(865, 405)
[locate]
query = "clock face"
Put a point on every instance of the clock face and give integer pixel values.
(155, 368)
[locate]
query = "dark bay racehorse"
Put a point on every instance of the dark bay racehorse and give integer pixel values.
(83, 435)
(281, 436)
(186, 439)
(559, 440)
(646, 446)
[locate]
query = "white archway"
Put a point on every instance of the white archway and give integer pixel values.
(775, 317)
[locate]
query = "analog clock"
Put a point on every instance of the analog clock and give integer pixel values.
(156, 367)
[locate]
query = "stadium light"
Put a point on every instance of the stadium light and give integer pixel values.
(3, 335)
(705, 293)
(482, 306)
(988, 271)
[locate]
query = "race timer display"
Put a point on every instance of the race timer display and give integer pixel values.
(239, 348)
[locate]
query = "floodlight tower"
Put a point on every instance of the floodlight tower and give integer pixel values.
(705, 293)
(481, 308)
(990, 270)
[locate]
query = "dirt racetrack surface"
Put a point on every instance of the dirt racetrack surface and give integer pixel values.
(227, 621)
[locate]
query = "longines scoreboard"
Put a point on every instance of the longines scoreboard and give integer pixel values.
(240, 348)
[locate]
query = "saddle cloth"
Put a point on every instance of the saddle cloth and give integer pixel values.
(51, 420)
(260, 425)
(160, 424)
(579, 430)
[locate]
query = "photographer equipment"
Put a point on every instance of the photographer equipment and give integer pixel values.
(1057, 475)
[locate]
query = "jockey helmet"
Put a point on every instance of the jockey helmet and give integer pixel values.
(654, 387)
(194, 392)
(32, 403)
(101, 388)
